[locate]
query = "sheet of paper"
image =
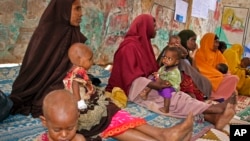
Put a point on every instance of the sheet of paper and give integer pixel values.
(204, 9)
(212, 4)
(181, 11)
(200, 9)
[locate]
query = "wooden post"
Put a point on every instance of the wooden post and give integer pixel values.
(189, 11)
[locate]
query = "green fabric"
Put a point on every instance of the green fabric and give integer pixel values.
(173, 76)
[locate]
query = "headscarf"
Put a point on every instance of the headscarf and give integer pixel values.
(46, 61)
(135, 56)
(206, 60)
(185, 35)
(233, 55)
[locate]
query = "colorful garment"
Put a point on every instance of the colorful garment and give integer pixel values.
(80, 75)
(188, 86)
(233, 55)
(198, 81)
(206, 61)
(42, 137)
(172, 75)
(135, 55)
(102, 117)
(121, 122)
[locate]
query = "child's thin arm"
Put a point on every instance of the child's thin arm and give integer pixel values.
(76, 90)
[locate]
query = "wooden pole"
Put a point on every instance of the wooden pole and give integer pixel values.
(189, 12)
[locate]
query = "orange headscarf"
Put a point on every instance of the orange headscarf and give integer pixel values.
(206, 60)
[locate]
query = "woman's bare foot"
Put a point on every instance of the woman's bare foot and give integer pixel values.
(180, 132)
(220, 107)
(233, 98)
(224, 119)
(188, 136)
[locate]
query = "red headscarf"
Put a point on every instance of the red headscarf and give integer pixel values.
(135, 56)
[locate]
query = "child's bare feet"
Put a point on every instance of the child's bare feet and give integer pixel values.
(180, 132)
(144, 93)
(164, 110)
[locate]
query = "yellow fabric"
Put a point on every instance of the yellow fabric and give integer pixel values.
(233, 56)
(206, 60)
(118, 96)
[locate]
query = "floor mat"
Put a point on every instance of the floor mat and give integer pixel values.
(214, 135)
(243, 102)
(244, 114)
(25, 128)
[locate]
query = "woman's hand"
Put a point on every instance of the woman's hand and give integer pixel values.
(192, 53)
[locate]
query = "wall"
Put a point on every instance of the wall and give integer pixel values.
(105, 22)
(236, 29)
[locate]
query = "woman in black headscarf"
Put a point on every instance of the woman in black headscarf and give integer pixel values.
(46, 62)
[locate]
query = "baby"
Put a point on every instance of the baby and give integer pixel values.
(169, 74)
(81, 57)
(245, 63)
(222, 67)
(222, 46)
(60, 117)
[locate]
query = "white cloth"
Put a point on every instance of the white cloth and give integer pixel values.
(81, 105)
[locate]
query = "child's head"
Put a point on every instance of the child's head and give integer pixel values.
(223, 68)
(81, 55)
(60, 115)
(174, 40)
(245, 62)
(172, 56)
(222, 46)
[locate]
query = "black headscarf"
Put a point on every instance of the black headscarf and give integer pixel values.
(185, 35)
(46, 61)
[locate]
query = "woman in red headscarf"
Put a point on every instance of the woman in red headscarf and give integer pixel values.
(135, 55)
(134, 62)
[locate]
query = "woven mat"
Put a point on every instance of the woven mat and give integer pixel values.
(26, 128)
(243, 102)
(214, 135)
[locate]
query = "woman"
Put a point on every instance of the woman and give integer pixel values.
(188, 41)
(46, 62)
(134, 62)
(233, 56)
(206, 59)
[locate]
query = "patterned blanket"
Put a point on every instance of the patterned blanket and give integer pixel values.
(26, 128)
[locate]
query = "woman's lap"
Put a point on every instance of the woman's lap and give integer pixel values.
(226, 87)
(181, 103)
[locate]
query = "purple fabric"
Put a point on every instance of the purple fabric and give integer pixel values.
(166, 92)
